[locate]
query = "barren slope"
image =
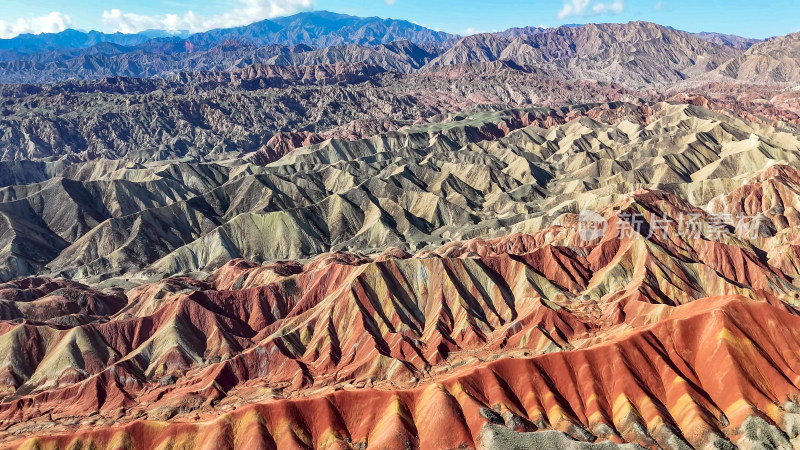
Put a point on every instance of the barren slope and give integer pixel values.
(521, 333)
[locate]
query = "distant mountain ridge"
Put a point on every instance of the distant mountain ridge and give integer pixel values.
(638, 55)
(76, 39)
(776, 60)
(317, 29)
(730, 40)
(323, 29)
(335, 38)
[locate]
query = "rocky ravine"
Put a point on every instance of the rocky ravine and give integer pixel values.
(655, 340)
(464, 176)
(325, 231)
(369, 292)
(207, 116)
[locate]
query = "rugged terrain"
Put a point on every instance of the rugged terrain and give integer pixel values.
(208, 115)
(231, 91)
(461, 177)
(637, 54)
(324, 231)
(498, 322)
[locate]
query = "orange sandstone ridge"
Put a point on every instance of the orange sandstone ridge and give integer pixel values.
(696, 376)
(653, 339)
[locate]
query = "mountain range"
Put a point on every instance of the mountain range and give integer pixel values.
(75, 54)
(637, 54)
(505, 323)
(326, 231)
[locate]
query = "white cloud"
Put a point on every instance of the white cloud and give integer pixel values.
(51, 23)
(573, 8)
(390, 2)
(247, 12)
(584, 8)
(609, 8)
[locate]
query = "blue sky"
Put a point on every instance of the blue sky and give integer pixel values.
(743, 17)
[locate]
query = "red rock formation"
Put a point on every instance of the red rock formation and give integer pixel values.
(644, 335)
(40, 299)
(755, 103)
(696, 376)
(281, 144)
